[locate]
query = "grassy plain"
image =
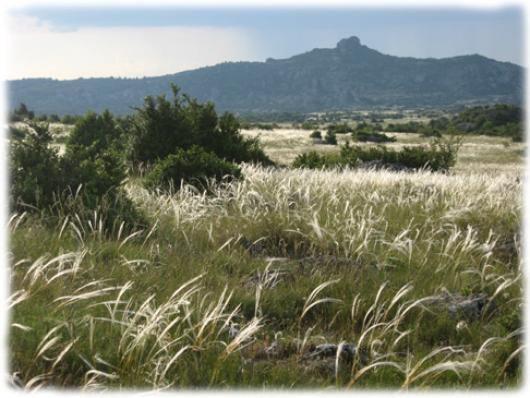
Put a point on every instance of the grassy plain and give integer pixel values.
(413, 279)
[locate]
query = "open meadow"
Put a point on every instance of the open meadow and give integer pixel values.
(285, 278)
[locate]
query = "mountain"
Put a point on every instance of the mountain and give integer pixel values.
(349, 75)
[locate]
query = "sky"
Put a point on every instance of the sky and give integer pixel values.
(68, 43)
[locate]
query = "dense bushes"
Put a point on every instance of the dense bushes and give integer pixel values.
(362, 136)
(317, 135)
(91, 160)
(86, 179)
(184, 140)
(500, 120)
(331, 138)
(314, 160)
(259, 126)
(35, 167)
(93, 156)
(439, 156)
(162, 127)
(194, 166)
(408, 127)
(341, 128)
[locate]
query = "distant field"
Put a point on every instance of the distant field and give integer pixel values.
(478, 152)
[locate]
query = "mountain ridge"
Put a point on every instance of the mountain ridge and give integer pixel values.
(347, 76)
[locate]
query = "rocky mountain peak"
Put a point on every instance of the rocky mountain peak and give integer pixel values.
(349, 44)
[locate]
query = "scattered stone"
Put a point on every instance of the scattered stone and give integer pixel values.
(507, 246)
(233, 330)
(456, 305)
(330, 350)
(256, 248)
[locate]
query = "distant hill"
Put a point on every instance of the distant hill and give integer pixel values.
(349, 75)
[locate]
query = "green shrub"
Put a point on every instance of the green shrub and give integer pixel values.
(35, 168)
(194, 166)
(161, 127)
(91, 166)
(408, 127)
(438, 156)
(316, 134)
(99, 174)
(69, 119)
(331, 138)
(94, 133)
(341, 128)
(93, 157)
(363, 136)
(314, 160)
(309, 125)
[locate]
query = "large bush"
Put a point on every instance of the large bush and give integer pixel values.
(95, 133)
(162, 127)
(35, 167)
(92, 157)
(194, 166)
(91, 165)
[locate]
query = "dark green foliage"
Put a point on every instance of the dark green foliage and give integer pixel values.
(35, 168)
(163, 127)
(23, 112)
(314, 160)
(194, 166)
(309, 125)
(500, 120)
(362, 136)
(341, 128)
(93, 157)
(487, 118)
(316, 134)
(331, 138)
(99, 173)
(94, 133)
(258, 126)
(227, 142)
(409, 127)
(438, 156)
(91, 164)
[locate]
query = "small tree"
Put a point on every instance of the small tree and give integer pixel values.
(316, 135)
(161, 127)
(35, 169)
(93, 156)
(331, 138)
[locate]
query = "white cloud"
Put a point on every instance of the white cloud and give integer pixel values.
(37, 49)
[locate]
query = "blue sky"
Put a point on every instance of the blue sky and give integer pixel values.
(175, 39)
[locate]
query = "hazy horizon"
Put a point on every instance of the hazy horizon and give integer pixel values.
(72, 43)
